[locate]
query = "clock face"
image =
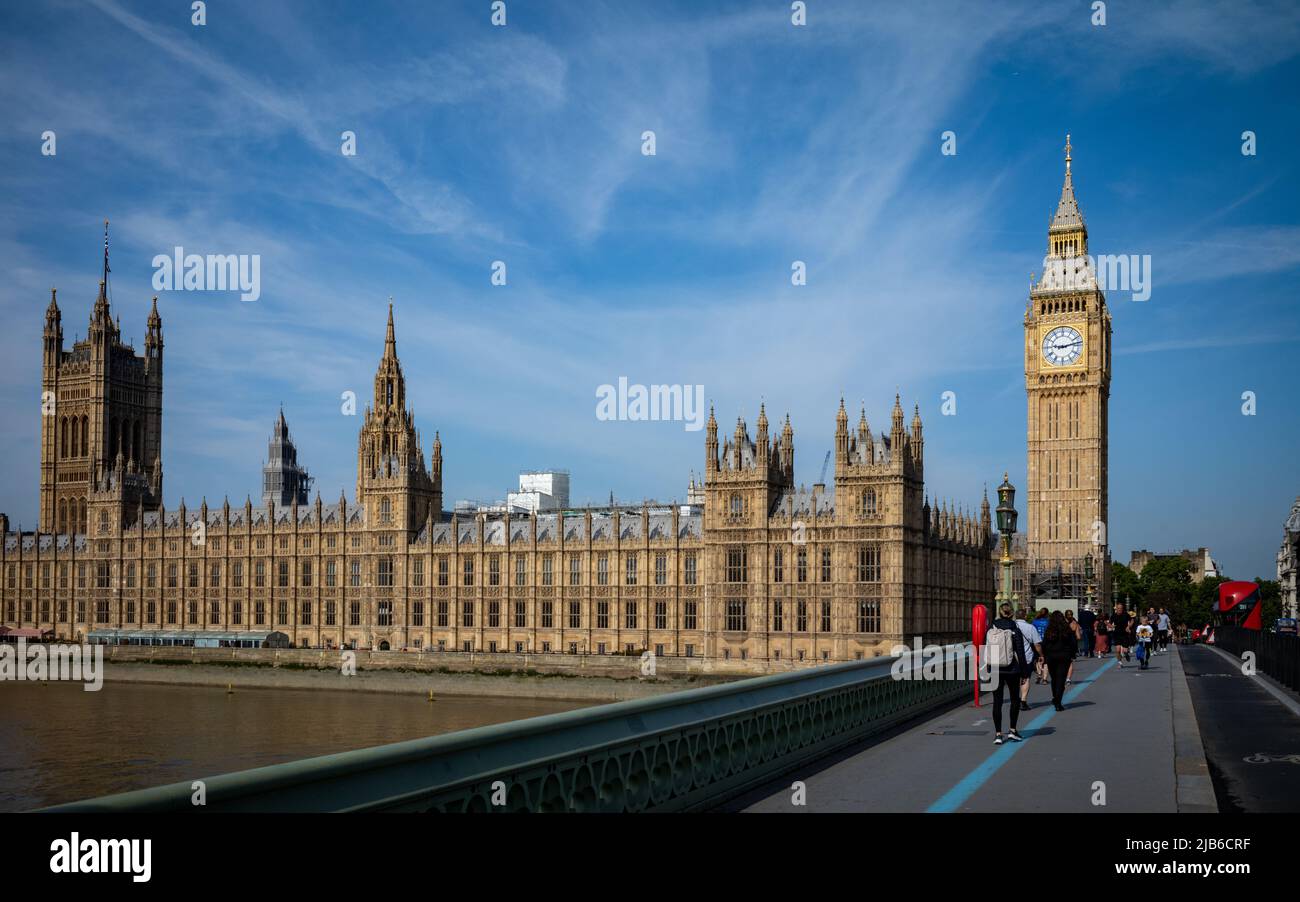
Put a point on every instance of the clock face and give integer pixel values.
(1062, 346)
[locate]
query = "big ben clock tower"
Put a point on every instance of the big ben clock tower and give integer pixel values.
(1067, 380)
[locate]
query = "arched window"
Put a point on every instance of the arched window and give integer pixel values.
(385, 510)
(63, 437)
(737, 505)
(85, 436)
(869, 503)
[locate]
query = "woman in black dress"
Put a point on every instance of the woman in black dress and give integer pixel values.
(1059, 646)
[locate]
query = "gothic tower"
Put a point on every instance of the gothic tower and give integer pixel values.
(284, 481)
(393, 482)
(101, 419)
(1067, 380)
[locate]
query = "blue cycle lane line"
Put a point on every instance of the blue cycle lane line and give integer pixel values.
(970, 784)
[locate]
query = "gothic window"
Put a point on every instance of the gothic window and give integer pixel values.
(661, 569)
(385, 510)
(737, 615)
(736, 565)
(869, 503)
(826, 565)
(869, 564)
(690, 575)
(868, 616)
(801, 565)
(778, 566)
(737, 505)
(85, 436)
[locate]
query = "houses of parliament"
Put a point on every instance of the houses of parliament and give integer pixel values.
(758, 568)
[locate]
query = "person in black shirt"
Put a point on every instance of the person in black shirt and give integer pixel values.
(1119, 629)
(1010, 676)
(1059, 645)
(1087, 619)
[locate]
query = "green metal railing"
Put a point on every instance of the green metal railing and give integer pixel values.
(686, 750)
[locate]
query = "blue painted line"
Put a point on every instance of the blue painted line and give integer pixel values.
(968, 785)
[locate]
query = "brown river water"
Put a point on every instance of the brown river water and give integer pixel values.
(59, 743)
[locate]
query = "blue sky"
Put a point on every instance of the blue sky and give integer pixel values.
(774, 143)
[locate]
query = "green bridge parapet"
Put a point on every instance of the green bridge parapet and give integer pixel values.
(688, 750)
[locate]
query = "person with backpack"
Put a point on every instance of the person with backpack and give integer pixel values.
(1145, 641)
(1004, 644)
(1033, 653)
(1059, 645)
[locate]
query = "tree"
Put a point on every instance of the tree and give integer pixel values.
(1166, 582)
(1270, 594)
(1205, 594)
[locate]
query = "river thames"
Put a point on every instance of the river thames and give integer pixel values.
(61, 743)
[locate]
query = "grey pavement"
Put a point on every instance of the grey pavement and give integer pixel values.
(1116, 737)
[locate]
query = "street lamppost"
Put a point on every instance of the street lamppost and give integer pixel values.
(1088, 576)
(1006, 526)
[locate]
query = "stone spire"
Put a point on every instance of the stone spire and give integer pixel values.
(1068, 217)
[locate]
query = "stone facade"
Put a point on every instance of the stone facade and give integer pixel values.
(1288, 563)
(763, 570)
(1067, 381)
(1200, 564)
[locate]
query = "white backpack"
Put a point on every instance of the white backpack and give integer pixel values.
(1000, 648)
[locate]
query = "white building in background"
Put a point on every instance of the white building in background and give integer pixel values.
(1288, 562)
(540, 490)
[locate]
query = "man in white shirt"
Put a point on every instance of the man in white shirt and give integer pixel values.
(1033, 649)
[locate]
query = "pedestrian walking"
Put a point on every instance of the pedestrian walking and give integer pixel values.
(1102, 628)
(1040, 624)
(1033, 653)
(1144, 637)
(1162, 631)
(1006, 647)
(1077, 632)
(1119, 633)
(1059, 645)
(1088, 621)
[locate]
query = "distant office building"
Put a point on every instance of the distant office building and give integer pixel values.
(541, 490)
(1287, 562)
(1201, 564)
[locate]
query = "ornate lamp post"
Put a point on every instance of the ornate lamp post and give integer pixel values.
(1006, 526)
(1088, 576)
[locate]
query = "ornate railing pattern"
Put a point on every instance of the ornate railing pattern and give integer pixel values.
(686, 750)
